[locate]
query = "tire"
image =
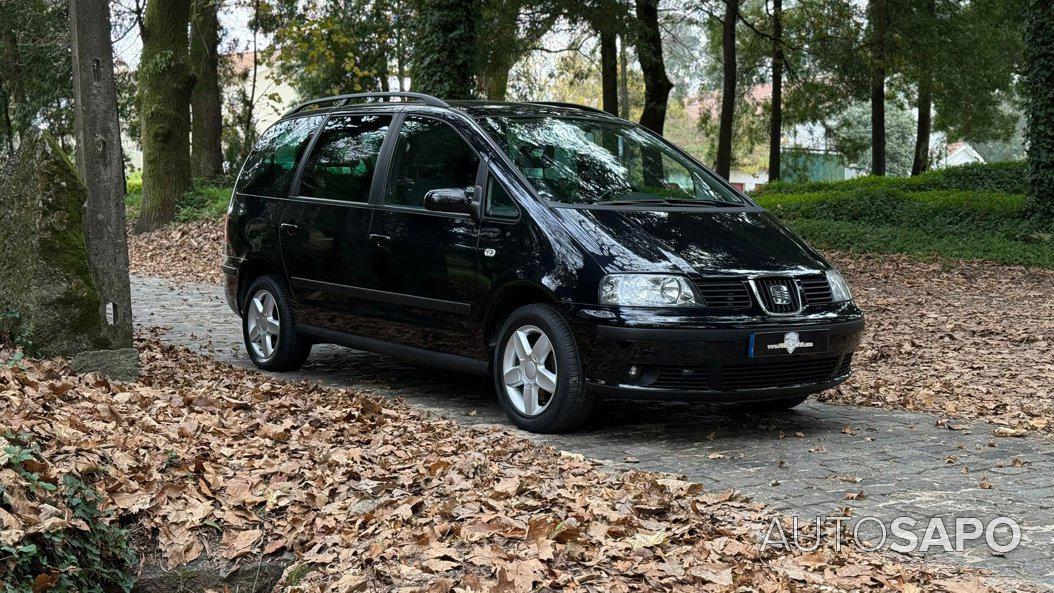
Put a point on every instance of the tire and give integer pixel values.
(775, 405)
(285, 350)
(569, 404)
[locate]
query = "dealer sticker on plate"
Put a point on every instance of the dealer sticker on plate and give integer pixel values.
(791, 342)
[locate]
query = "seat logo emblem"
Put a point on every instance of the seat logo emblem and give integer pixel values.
(780, 295)
(791, 342)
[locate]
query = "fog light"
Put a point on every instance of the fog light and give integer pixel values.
(634, 372)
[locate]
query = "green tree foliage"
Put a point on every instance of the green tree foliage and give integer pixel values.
(331, 47)
(1039, 83)
(513, 28)
(851, 133)
(36, 82)
(444, 61)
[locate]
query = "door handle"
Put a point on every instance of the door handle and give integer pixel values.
(289, 229)
(380, 240)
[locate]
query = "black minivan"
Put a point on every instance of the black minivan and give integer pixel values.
(567, 253)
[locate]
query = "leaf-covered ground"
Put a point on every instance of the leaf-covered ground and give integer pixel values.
(372, 494)
(959, 339)
(962, 339)
(188, 252)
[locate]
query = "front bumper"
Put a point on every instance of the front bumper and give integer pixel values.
(708, 359)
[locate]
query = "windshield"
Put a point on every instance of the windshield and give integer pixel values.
(583, 161)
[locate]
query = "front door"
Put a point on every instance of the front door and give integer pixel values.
(424, 262)
(325, 226)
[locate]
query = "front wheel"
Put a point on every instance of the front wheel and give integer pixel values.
(538, 371)
(268, 327)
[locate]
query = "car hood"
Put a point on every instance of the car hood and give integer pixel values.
(684, 240)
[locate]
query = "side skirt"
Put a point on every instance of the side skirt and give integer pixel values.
(461, 364)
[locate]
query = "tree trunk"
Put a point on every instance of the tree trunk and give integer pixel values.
(776, 123)
(16, 94)
(728, 89)
(609, 71)
(879, 17)
(444, 62)
(9, 132)
(101, 165)
(249, 124)
(921, 162)
(206, 101)
(1039, 80)
(657, 85)
(496, 79)
(623, 80)
(164, 85)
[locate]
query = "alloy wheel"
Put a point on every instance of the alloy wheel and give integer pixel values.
(263, 324)
(529, 370)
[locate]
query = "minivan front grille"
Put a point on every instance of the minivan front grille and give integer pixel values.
(817, 290)
(769, 288)
(730, 294)
(782, 373)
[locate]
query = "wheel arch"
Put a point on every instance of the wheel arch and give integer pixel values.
(510, 297)
(249, 271)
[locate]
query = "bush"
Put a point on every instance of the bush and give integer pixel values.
(204, 200)
(76, 549)
(1008, 177)
(969, 212)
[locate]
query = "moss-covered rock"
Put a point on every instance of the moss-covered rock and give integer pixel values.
(47, 300)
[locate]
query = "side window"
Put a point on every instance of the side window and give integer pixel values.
(499, 202)
(342, 164)
(429, 155)
(270, 167)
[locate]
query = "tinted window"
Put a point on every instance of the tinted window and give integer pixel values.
(499, 202)
(270, 168)
(429, 155)
(345, 156)
(580, 161)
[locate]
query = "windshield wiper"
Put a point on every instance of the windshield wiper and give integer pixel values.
(670, 201)
(721, 203)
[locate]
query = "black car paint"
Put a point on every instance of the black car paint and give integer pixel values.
(417, 284)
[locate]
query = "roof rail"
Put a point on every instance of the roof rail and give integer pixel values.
(574, 105)
(345, 99)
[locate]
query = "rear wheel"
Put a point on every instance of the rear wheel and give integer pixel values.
(538, 372)
(269, 329)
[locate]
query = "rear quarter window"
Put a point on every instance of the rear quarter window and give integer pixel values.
(270, 167)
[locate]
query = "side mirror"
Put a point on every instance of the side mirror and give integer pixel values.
(455, 200)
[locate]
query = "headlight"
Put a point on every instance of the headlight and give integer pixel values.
(839, 287)
(646, 290)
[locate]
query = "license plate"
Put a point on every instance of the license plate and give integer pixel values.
(789, 342)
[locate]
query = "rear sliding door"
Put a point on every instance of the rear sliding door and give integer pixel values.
(326, 222)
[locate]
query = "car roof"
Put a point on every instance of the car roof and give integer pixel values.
(479, 109)
(474, 109)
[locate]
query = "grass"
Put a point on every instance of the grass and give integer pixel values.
(969, 212)
(202, 201)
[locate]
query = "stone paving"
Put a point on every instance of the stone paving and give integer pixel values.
(811, 462)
